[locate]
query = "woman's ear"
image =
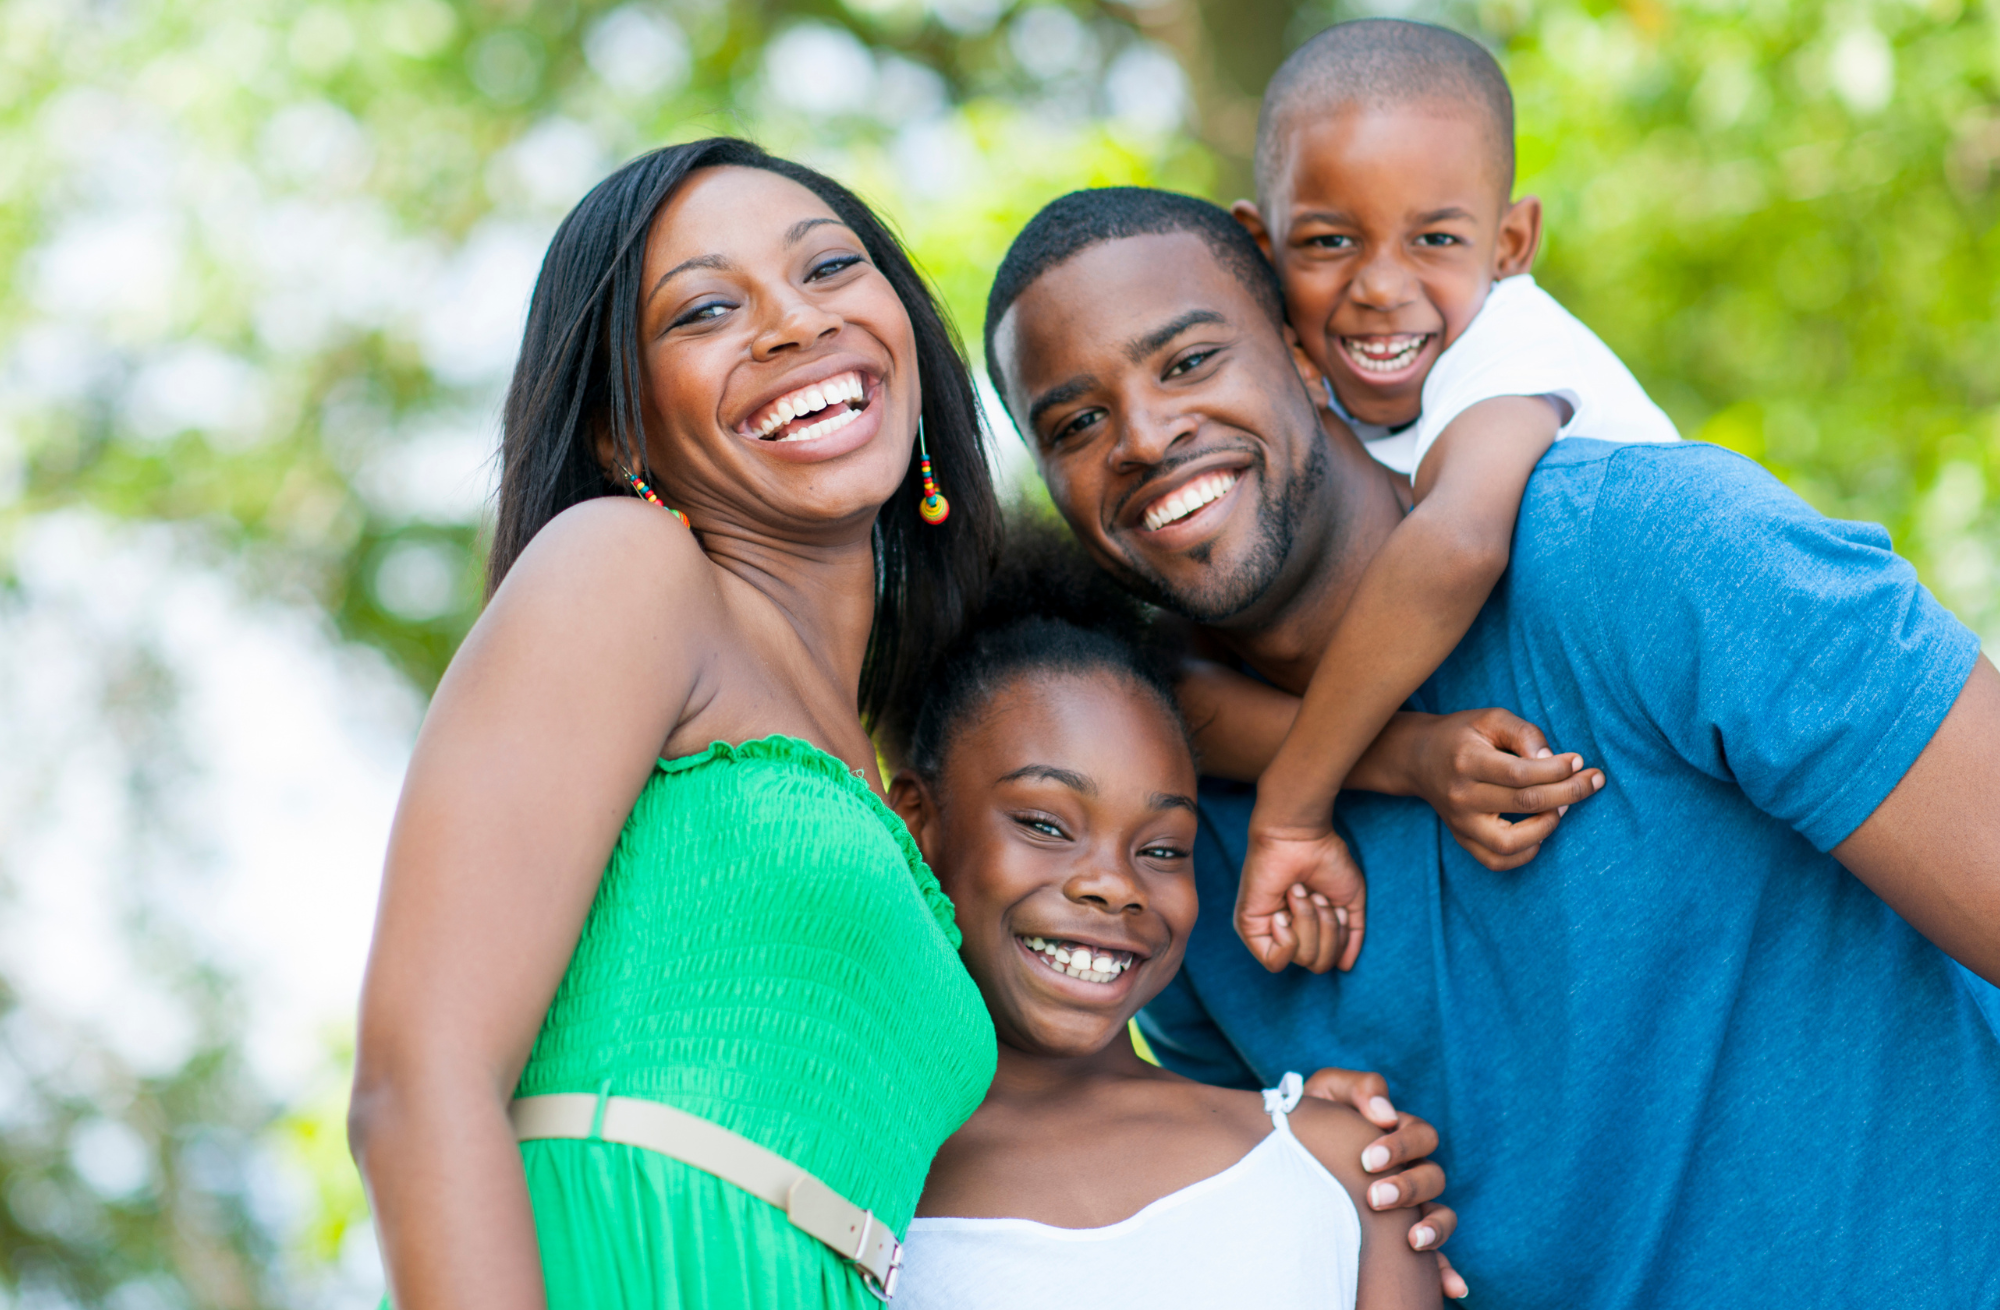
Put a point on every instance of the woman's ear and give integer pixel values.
(911, 798)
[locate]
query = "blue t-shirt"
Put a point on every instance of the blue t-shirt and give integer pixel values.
(1682, 1059)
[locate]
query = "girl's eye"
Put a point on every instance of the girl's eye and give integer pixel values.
(708, 309)
(1036, 823)
(1188, 363)
(827, 268)
(1164, 853)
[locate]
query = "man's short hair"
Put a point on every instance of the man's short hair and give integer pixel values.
(1384, 63)
(1071, 224)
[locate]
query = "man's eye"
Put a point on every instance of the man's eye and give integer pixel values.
(708, 309)
(1089, 418)
(828, 268)
(1188, 363)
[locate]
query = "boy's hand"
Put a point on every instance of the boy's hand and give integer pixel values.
(1409, 1178)
(1302, 899)
(1477, 765)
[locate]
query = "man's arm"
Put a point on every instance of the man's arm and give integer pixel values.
(1932, 848)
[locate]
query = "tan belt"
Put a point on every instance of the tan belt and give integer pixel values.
(855, 1234)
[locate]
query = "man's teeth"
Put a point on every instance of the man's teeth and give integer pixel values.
(1188, 499)
(810, 400)
(1090, 963)
(1384, 354)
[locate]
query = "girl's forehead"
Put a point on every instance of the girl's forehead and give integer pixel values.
(1099, 725)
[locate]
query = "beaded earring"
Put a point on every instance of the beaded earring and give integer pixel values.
(933, 508)
(639, 486)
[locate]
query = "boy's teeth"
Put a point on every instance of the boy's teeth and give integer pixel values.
(1077, 961)
(1188, 499)
(809, 400)
(1384, 354)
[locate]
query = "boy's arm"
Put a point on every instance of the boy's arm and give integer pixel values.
(1414, 602)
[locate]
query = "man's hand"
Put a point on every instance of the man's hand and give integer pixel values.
(1302, 899)
(1409, 1178)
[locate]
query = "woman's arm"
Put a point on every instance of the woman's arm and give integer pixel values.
(1394, 1274)
(540, 736)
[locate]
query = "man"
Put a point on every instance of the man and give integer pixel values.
(1708, 1009)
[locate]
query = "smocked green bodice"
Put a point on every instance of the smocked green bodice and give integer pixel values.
(769, 951)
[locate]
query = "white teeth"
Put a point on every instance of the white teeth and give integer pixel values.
(807, 400)
(1062, 955)
(1083, 962)
(1385, 354)
(1035, 942)
(1188, 499)
(1103, 963)
(823, 428)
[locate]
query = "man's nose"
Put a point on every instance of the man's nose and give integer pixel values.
(792, 321)
(1152, 428)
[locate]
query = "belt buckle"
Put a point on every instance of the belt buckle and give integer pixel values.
(883, 1288)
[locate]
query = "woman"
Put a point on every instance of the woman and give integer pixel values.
(596, 905)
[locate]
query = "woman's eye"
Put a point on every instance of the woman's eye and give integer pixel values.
(703, 312)
(827, 268)
(1188, 363)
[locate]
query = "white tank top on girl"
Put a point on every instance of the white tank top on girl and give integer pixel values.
(1274, 1230)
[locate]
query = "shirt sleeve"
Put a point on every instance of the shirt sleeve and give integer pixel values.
(1791, 653)
(1519, 344)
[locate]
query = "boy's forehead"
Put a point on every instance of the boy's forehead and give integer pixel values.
(1413, 151)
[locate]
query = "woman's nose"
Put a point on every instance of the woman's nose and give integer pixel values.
(795, 323)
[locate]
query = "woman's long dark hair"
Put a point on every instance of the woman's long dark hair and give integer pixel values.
(580, 374)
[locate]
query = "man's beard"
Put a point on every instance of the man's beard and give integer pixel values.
(1218, 597)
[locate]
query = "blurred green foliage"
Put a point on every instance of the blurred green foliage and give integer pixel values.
(260, 262)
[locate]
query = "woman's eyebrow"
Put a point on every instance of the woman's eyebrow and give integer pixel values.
(797, 231)
(699, 261)
(1069, 778)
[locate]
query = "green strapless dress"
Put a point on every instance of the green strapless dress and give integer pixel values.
(767, 950)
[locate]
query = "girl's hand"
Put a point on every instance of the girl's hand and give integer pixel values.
(1409, 1178)
(1478, 765)
(1302, 899)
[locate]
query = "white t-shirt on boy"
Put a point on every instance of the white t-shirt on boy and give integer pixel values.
(1522, 343)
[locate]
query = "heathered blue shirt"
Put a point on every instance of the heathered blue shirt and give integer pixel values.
(1683, 1058)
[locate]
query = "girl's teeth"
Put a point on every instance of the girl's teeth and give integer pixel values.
(1079, 962)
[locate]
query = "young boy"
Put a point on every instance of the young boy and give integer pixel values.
(1385, 173)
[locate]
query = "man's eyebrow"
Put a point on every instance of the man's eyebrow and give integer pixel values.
(797, 231)
(1069, 778)
(1172, 800)
(1060, 394)
(1140, 348)
(699, 261)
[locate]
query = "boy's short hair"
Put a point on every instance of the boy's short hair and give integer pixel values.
(1069, 225)
(1378, 63)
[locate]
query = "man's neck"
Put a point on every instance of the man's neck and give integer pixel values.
(1358, 505)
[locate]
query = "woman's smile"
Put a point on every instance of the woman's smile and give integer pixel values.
(835, 410)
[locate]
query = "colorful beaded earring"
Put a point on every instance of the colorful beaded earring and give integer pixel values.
(933, 508)
(639, 486)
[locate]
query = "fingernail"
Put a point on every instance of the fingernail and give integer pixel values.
(1561, 810)
(1320, 900)
(1576, 764)
(1597, 783)
(1379, 1108)
(1339, 914)
(1423, 1236)
(1374, 1157)
(1383, 1196)
(1282, 919)
(1543, 753)
(1298, 890)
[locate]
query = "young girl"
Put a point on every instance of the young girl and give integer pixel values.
(1052, 787)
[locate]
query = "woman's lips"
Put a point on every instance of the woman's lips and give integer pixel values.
(815, 410)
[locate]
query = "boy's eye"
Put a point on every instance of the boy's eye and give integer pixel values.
(827, 268)
(1331, 241)
(706, 310)
(1189, 362)
(1437, 239)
